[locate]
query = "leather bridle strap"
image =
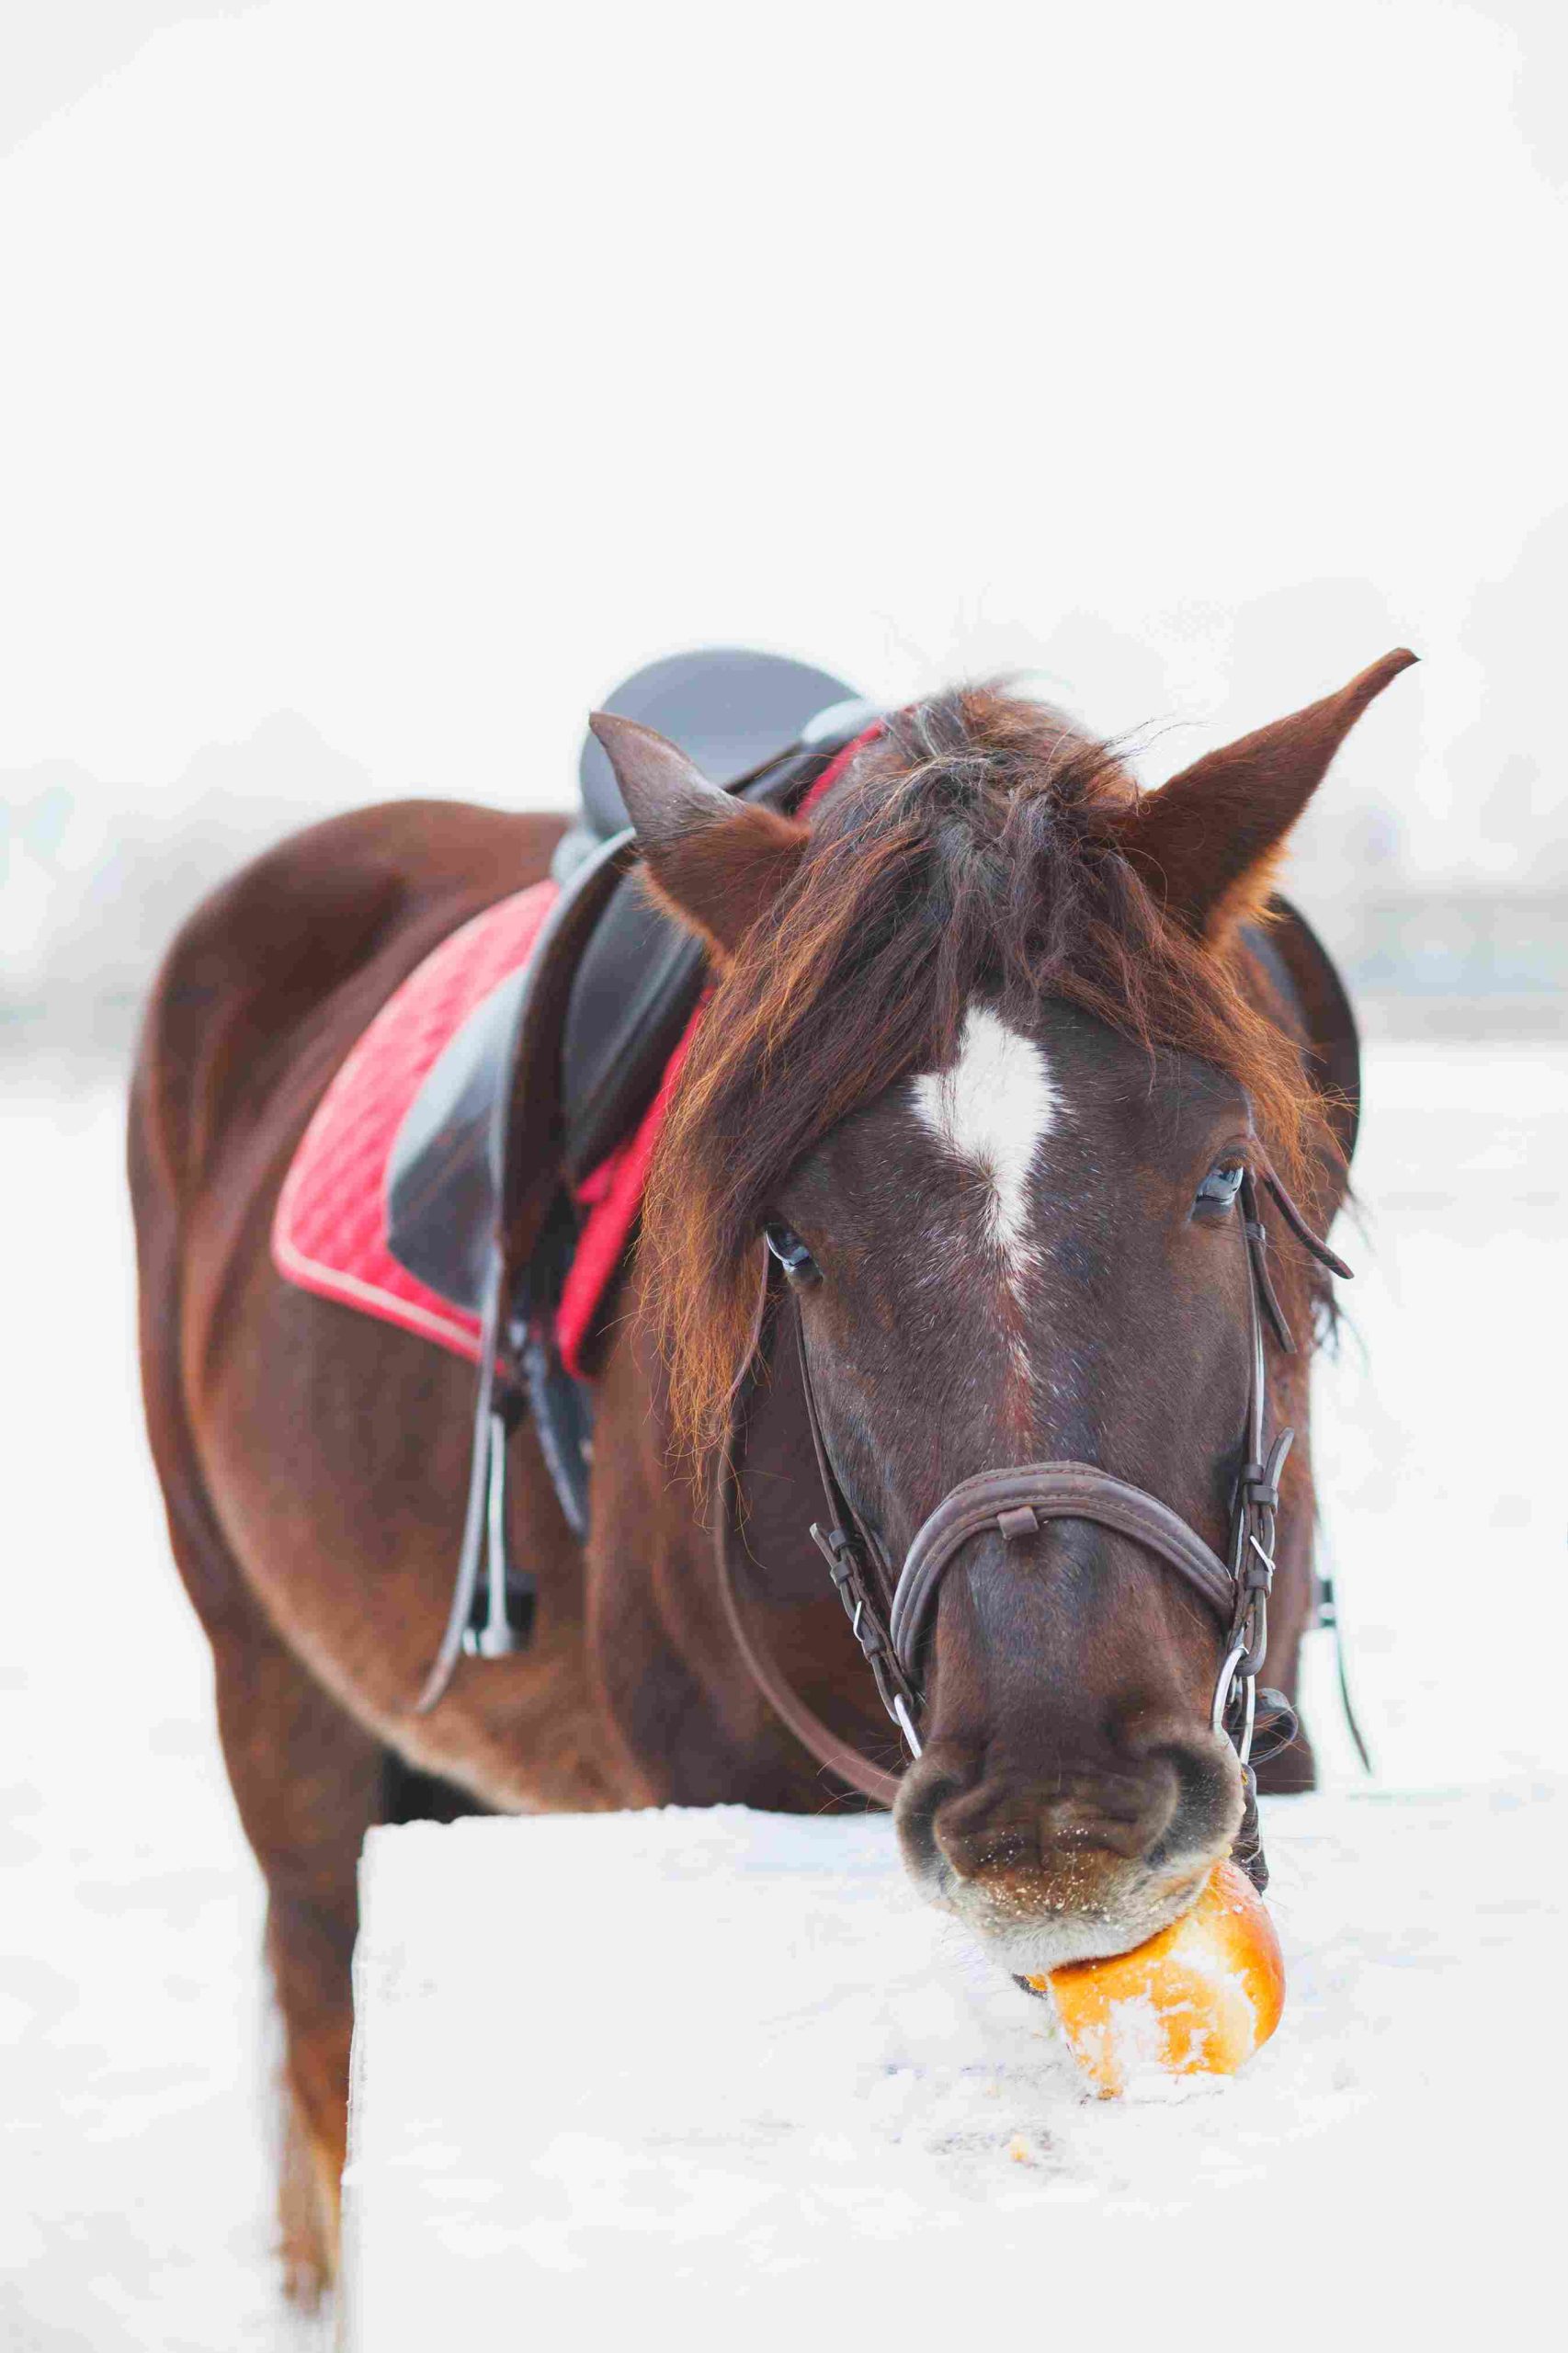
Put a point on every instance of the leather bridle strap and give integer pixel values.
(1015, 1502)
(786, 1702)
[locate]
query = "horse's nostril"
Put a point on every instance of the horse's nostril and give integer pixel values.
(927, 1788)
(1208, 1798)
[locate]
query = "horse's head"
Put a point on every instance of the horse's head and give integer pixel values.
(987, 1062)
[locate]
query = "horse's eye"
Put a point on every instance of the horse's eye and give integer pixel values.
(790, 1252)
(1221, 1185)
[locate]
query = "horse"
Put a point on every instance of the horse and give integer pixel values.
(995, 1046)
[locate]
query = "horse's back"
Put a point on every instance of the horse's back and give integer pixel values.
(269, 981)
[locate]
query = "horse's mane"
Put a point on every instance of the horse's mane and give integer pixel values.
(974, 847)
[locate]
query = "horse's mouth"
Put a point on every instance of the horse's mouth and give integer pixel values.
(1029, 1925)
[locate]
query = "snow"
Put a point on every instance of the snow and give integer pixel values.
(731, 2058)
(1382, 2164)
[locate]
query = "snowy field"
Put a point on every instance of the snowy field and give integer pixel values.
(1401, 2120)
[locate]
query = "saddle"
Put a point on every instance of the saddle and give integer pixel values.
(538, 1101)
(592, 1018)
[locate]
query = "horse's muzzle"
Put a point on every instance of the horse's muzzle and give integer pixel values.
(1075, 1863)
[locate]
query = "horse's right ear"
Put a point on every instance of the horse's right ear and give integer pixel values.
(716, 862)
(1208, 842)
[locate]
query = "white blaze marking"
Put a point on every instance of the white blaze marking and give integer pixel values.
(992, 1108)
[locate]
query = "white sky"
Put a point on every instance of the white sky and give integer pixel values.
(419, 369)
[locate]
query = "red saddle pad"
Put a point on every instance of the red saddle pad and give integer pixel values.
(330, 1233)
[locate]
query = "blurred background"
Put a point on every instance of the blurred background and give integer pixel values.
(384, 381)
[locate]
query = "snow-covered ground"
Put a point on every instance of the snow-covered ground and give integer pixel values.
(750, 2079)
(135, 2138)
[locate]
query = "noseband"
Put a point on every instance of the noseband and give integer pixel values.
(889, 1615)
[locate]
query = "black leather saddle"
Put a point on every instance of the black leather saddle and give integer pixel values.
(576, 1043)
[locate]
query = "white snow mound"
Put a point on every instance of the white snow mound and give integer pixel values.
(730, 2058)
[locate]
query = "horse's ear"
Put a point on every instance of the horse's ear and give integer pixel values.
(1208, 841)
(715, 861)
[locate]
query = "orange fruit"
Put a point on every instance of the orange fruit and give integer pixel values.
(1199, 1998)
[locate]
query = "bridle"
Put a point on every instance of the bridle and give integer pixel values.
(889, 1614)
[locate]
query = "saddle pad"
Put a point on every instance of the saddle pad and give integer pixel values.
(330, 1231)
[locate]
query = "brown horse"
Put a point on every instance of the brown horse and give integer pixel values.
(990, 1045)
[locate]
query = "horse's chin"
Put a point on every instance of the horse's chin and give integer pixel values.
(1028, 1933)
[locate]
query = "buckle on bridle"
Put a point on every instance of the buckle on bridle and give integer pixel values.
(1235, 1671)
(1225, 1686)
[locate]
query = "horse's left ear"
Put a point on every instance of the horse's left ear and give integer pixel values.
(715, 861)
(1208, 841)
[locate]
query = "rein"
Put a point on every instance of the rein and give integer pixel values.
(889, 1614)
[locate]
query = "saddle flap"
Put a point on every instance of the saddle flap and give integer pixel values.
(464, 1176)
(442, 1197)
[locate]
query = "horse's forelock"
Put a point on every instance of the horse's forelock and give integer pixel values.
(973, 848)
